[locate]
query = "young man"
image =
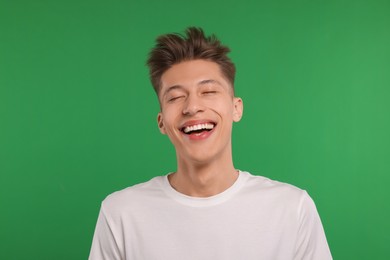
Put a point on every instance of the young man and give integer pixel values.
(206, 209)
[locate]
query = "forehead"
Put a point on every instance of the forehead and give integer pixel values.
(190, 72)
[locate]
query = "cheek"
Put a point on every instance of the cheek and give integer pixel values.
(225, 109)
(170, 121)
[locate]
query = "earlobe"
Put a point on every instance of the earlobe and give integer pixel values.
(160, 123)
(238, 109)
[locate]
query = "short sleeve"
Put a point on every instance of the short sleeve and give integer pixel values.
(104, 245)
(311, 242)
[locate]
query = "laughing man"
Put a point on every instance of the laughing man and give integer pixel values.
(206, 209)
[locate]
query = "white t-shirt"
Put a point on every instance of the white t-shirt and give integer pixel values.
(256, 218)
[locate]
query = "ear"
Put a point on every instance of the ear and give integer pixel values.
(238, 109)
(160, 123)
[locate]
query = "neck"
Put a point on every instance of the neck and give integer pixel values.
(203, 180)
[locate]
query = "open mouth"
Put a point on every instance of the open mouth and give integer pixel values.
(197, 129)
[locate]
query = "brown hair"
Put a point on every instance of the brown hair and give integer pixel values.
(171, 49)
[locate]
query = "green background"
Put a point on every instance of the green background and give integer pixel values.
(78, 114)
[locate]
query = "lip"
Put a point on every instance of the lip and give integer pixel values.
(200, 136)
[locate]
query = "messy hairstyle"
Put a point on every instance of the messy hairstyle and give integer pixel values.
(171, 49)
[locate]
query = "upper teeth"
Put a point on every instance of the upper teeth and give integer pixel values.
(188, 129)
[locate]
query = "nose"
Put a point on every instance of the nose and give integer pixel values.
(192, 105)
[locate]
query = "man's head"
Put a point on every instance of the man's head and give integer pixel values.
(193, 78)
(172, 49)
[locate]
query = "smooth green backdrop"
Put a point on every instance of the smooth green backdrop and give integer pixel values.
(78, 114)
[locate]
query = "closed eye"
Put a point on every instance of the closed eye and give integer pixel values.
(172, 99)
(209, 92)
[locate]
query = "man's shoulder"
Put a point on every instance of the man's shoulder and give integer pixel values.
(261, 186)
(135, 194)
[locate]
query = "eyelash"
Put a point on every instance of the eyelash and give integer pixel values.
(204, 93)
(174, 98)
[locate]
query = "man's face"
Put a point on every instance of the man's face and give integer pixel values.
(197, 110)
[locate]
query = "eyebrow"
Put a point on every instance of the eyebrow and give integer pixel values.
(209, 81)
(170, 89)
